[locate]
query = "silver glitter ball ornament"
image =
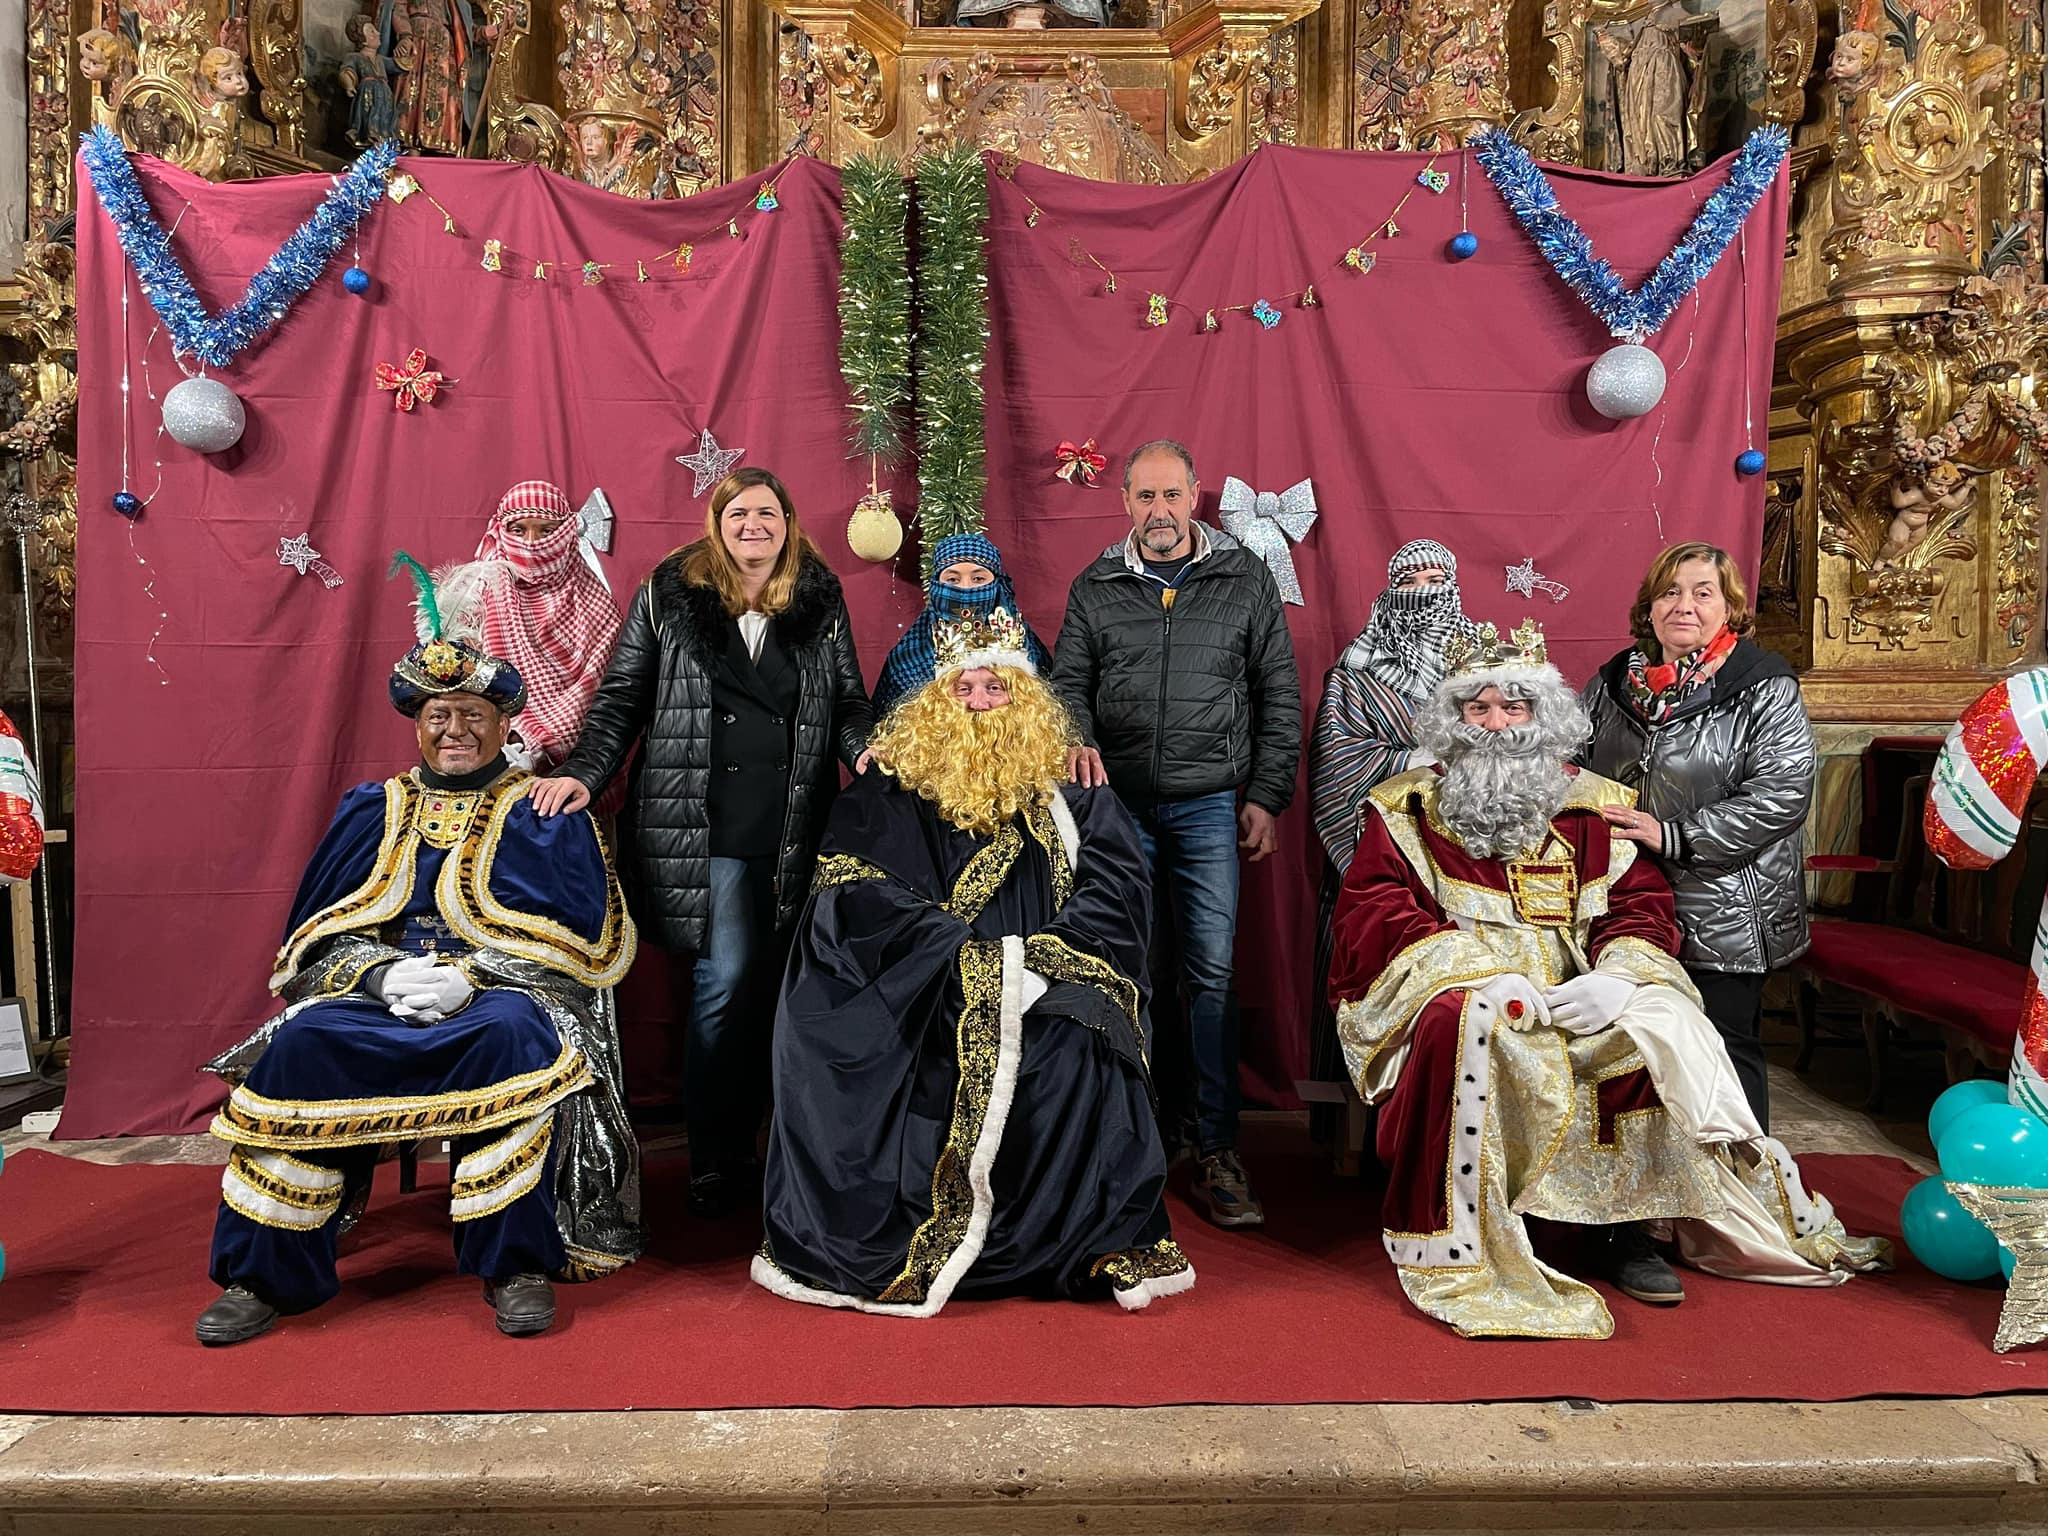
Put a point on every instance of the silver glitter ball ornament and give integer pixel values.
(1625, 381)
(203, 415)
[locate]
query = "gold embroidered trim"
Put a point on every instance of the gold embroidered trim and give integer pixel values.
(979, 1042)
(589, 1264)
(488, 924)
(1046, 833)
(985, 873)
(381, 897)
(1057, 960)
(269, 1196)
(1640, 961)
(251, 1120)
(1134, 1266)
(1451, 1151)
(485, 1194)
(836, 869)
(463, 895)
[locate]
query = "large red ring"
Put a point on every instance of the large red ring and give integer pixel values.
(1515, 1009)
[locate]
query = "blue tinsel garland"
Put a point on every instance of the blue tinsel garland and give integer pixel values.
(215, 340)
(1569, 250)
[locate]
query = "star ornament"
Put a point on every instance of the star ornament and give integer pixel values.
(710, 463)
(1526, 581)
(301, 556)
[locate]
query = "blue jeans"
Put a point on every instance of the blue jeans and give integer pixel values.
(731, 1017)
(1191, 846)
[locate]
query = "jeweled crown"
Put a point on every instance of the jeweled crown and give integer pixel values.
(995, 639)
(1485, 649)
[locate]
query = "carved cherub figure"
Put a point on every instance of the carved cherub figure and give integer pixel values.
(1857, 62)
(105, 59)
(222, 77)
(1944, 488)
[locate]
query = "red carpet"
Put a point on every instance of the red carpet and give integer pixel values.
(106, 1270)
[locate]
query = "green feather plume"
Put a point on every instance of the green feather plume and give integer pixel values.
(430, 605)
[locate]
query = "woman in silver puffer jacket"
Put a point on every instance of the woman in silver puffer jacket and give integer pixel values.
(1709, 729)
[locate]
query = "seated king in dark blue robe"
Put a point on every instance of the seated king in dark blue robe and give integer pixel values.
(447, 972)
(962, 1098)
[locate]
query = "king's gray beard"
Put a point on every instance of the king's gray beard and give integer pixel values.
(1500, 788)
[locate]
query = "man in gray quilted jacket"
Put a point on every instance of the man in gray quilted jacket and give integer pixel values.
(1177, 667)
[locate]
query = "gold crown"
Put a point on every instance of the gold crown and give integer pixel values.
(977, 641)
(1484, 650)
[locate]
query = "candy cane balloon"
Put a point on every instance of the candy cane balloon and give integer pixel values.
(1975, 804)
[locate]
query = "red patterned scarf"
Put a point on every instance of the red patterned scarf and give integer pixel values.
(553, 618)
(1656, 691)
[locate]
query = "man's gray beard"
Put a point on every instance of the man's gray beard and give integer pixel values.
(1500, 788)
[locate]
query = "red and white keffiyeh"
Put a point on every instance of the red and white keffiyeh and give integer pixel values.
(548, 612)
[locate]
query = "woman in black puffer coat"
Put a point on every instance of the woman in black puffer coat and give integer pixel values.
(737, 668)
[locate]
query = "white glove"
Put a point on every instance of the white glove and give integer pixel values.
(418, 990)
(1514, 1000)
(1035, 987)
(1588, 1003)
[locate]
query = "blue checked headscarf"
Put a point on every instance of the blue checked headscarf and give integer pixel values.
(915, 660)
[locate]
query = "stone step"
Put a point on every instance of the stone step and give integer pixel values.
(1874, 1468)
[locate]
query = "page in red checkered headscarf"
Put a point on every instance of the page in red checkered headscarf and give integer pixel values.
(547, 612)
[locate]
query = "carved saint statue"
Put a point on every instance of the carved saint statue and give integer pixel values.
(1028, 15)
(431, 44)
(366, 78)
(1650, 109)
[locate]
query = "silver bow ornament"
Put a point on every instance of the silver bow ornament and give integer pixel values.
(1263, 522)
(595, 519)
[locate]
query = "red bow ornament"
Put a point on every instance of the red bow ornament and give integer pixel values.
(413, 382)
(1079, 466)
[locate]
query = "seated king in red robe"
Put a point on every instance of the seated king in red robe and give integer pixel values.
(1507, 993)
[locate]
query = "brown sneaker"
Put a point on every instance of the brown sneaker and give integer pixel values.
(1224, 1191)
(525, 1304)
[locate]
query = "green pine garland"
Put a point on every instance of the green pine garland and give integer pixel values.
(874, 302)
(952, 339)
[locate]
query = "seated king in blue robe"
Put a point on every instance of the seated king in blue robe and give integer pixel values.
(963, 1102)
(447, 972)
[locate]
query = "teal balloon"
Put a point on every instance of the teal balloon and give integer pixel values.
(2006, 1261)
(1995, 1144)
(1944, 1236)
(1959, 1099)
(3, 1262)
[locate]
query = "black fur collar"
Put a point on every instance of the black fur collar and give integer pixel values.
(700, 618)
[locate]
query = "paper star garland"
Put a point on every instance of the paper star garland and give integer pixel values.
(710, 463)
(1527, 581)
(301, 556)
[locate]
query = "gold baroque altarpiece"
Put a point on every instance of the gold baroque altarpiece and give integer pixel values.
(1901, 563)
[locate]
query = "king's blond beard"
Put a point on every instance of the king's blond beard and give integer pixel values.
(980, 768)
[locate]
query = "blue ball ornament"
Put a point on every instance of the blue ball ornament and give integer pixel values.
(1750, 462)
(128, 504)
(1995, 1144)
(1959, 1099)
(1944, 1236)
(356, 280)
(1464, 245)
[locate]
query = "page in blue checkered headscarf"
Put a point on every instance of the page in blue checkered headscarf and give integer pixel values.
(915, 660)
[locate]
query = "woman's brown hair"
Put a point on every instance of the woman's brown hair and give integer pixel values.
(708, 563)
(1664, 570)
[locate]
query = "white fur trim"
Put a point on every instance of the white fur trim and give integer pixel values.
(980, 1165)
(1145, 1292)
(1457, 1246)
(967, 661)
(1070, 831)
(1467, 685)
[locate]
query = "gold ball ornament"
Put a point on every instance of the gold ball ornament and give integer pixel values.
(873, 532)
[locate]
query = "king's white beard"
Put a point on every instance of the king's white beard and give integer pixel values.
(1500, 789)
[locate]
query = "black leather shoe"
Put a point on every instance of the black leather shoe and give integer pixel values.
(237, 1315)
(525, 1304)
(1632, 1264)
(721, 1191)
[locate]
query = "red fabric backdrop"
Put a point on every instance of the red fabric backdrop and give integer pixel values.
(1429, 397)
(1426, 398)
